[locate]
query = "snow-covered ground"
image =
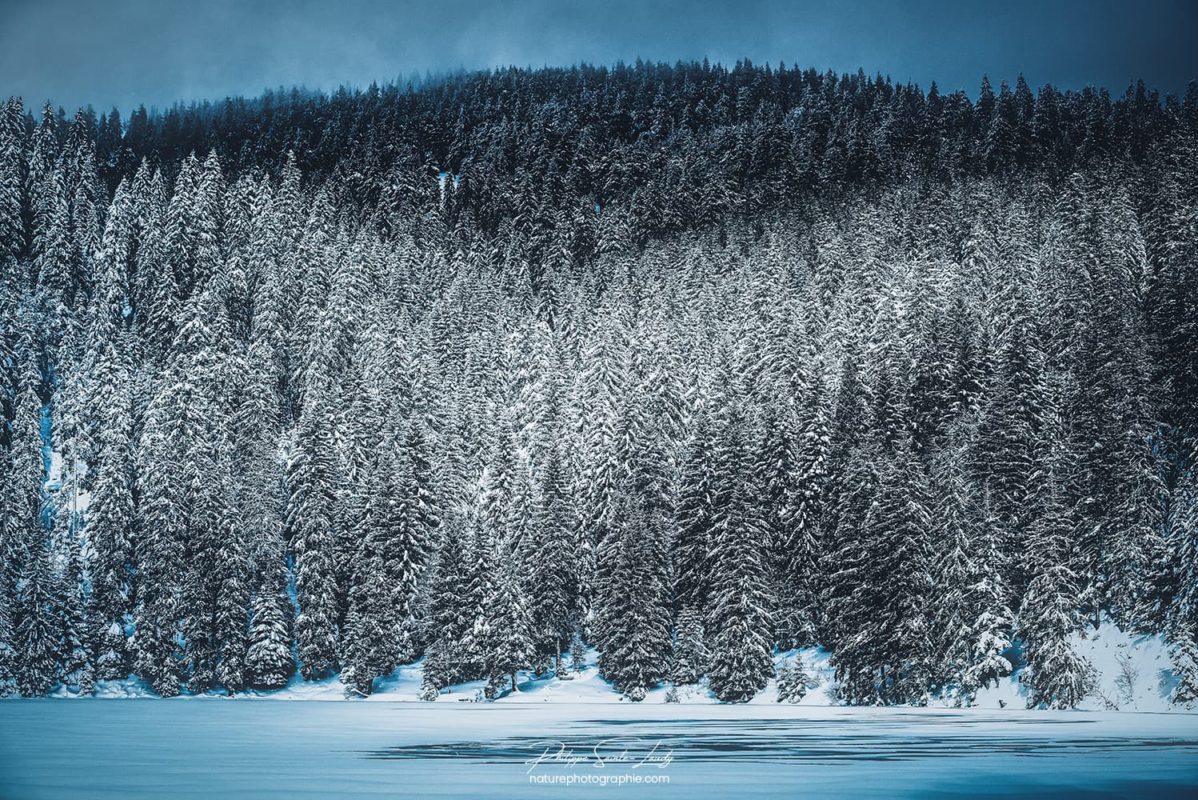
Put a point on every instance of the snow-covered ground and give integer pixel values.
(181, 748)
(1132, 675)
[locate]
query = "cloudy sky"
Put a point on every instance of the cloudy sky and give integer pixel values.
(153, 52)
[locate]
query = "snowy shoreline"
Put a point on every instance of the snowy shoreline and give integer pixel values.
(1143, 686)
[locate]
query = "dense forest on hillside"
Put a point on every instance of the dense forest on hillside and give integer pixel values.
(687, 363)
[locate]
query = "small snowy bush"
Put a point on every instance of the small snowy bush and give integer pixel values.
(792, 681)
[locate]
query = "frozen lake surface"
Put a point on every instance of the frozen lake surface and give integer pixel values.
(207, 747)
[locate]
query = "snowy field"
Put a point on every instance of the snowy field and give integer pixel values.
(184, 748)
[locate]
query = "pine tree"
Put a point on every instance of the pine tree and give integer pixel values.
(110, 517)
(12, 178)
(974, 622)
(1007, 433)
(739, 651)
(772, 463)
(449, 619)
(77, 668)
(885, 649)
(740, 659)
(38, 634)
(694, 512)
(1055, 675)
(792, 681)
(408, 531)
(1183, 654)
(631, 604)
(799, 567)
(23, 489)
(161, 553)
(9, 655)
(429, 690)
(312, 484)
(268, 656)
(854, 472)
(261, 498)
(1049, 615)
(369, 638)
(690, 653)
(54, 257)
(1178, 570)
(504, 633)
(214, 596)
(553, 564)
(232, 609)
(155, 291)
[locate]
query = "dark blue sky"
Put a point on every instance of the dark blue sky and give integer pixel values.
(126, 52)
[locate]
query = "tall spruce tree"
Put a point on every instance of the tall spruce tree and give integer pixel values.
(633, 614)
(740, 645)
(312, 483)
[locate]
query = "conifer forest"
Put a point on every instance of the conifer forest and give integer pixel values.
(690, 365)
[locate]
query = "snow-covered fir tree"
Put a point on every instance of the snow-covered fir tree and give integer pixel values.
(632, 613)
(792, 681)
(740, 647)
(690, 654)
(312, 520)
(268, 660)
